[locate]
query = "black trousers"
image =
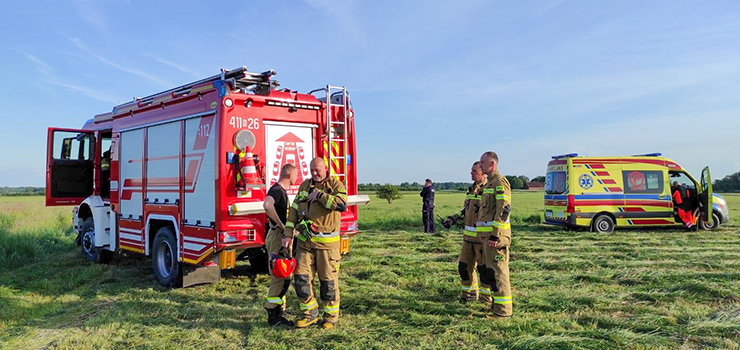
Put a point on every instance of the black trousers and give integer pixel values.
(427, 217)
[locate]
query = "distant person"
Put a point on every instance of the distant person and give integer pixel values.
(681, 198)
(494, 227)
(276, 207)
(427, 206)
(105, 174)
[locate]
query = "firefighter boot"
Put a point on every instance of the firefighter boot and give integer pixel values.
(308, 320)
(275, 317)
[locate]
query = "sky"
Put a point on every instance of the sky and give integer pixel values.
(433, 83)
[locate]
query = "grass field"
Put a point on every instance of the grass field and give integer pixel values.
(634, 289)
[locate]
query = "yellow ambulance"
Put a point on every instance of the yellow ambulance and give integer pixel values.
(601, 193)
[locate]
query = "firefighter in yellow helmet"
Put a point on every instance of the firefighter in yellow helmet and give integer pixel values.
(315, 219)
(471, 252)
(495, 228)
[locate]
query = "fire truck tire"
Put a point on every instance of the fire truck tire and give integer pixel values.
(164, 258)
(87, 243)
(603, 224)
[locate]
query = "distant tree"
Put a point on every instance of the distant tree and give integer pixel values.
(515, 182)
(388, 192)
(730, 183)
(539, 179)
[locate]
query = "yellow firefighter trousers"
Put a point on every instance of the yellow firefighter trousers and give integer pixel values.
(471, 259)
(325, 263)
(497, 274)
(278, 286)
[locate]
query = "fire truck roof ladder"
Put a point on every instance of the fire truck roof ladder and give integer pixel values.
(236, 79)
(337, 131)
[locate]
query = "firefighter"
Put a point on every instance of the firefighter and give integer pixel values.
(681, 198)
(494, 228)
(315, 219)
(471, 253)
(427, 206)
(276, 207)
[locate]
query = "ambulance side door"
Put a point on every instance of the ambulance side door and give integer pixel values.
(705, 197)
(69, 166)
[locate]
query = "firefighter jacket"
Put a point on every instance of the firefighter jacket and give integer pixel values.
(470, 211)
(495, 209)
(324, 212)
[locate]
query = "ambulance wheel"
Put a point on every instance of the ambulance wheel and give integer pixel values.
(603, 224)
(713, 225)
(164, 258)
(87, 242)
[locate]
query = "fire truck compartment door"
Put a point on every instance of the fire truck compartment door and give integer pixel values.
(288, 143)
(69, 166)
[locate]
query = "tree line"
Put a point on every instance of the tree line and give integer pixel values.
(516, 181)
(730, 183)
(22, 191)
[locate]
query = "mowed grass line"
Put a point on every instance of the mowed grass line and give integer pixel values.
(634, 289)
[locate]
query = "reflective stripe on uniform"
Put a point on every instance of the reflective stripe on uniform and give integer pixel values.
(485, 291)
(342, 196)
(310, 306)
(501, 225)
(472, 197)
(500, 188)
(290, 224)
(470, 231)
(331, 310)
(294, 205)
(502, 299)
(323, 238)
(472, 287)
(484, 226)
(329, 202)
(275, 300)
(489, 191)
(503, 197)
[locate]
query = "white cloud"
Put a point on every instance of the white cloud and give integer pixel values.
(106, 61)
(50, 78)
(174, 65)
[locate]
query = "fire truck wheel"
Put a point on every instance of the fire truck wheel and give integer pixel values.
(603, 224)
(87, 243)
(164, 258)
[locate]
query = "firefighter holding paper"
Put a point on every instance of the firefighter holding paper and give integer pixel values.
(495, 229)
(471, 253)
(315, 219)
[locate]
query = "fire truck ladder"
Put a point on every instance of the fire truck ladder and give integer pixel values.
(336, 130)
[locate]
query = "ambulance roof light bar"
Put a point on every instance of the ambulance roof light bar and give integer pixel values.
(569, 155)
(649, 155)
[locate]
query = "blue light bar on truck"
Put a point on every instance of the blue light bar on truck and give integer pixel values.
(648, 155)
(569, 155)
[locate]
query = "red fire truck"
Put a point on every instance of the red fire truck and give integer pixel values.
(181, 175)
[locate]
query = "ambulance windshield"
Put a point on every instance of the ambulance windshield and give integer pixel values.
(555, 182)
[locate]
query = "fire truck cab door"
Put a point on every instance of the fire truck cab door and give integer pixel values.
(706, 196)
(69, 166)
